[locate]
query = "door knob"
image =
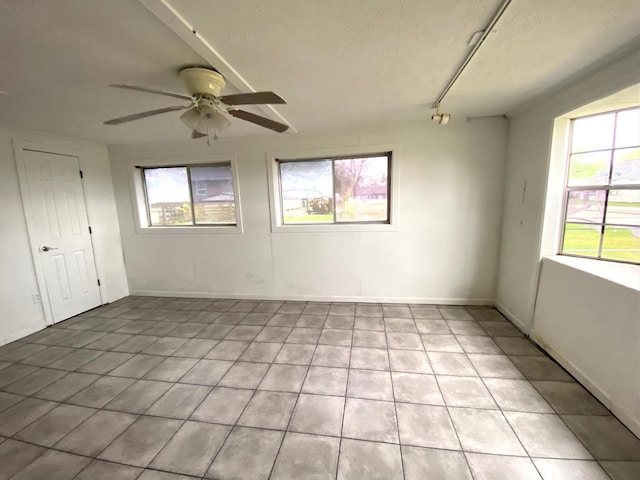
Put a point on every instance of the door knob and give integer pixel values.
(45, 248)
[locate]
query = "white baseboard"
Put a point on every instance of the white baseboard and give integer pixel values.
(317, 298)
(632, 423)
(21, 334)
(521, 325)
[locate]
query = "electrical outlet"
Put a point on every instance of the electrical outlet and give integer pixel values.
(36, 297)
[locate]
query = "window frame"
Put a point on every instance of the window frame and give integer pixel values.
(274, 159)
(141, 205)
(567, 190)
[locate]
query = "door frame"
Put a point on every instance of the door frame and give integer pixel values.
(18, 152)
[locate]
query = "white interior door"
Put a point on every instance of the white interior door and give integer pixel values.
(60, 226)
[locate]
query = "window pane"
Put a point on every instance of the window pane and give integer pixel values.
(628, 129)
(623, 207)
(592, 133)
(213, 198)
(362, 189)
(586, 206)
(168, 196)
(621, 244)
(307, 192)
(589, 169)
(626, 166)
(582, 240)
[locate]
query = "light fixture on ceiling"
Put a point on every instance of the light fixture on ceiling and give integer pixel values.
(440, 118)
(204, 119)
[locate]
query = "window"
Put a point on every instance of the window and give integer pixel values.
(340, 190)
(189, 195)
(602, 195)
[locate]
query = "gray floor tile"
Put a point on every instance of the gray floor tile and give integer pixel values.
(101, 470)
(339, 322)
(311, 321)
(485, 431)
(344, 309)
(138, 397)
(15, 418)
(269, 410)
(192, 449)
(179, 401)
(137, 366)
(9, 399)
(427, 463)
(416, 388)
(432, 326)
(605, 437)
(369, 323)
(369, 358)
(207, 372)
(335, 336)
(161, 328)
(171, 369)
(444, 363)
(554, 469)
(109, 341)
(188, 330)
(227, 350)
(500, 329)
(214, 332)
(485, 314)
(396, 311)
(47, 356)
(462, 327)
(136, 344)
(440, 343)
(76, 359)
(295, 354)
(101, 392)
(569, 398)
(51, 427)
(409, 361)
(306, 456)
(426, 426)
(316, 308)
(370, 420)
(454, 313)
(494, 366)
(195, 348)
(284, 378)
(370, 460)
(478, 344)
(141, 442)
(331, 356)
(281, 319)
(620, 470)
(261, 352)
(32, 383)
(243, 332)
(273, 334)
(517, 395)
(248, 454)
(223, 405)
(14, 456)
(404, 340)
(105, 363)
(14, 372)
(501, 467)
(256, 319)
(425, 312)
(546, 436)
(21, 351)
(369, 338)
(165, 346)
(540, 368)
(54, 465)
(392, 324)
(95, 434)
(244, 375)
(368, 310)
(465, 392)
(370, 384)
(326, 381)
(318, 414)
(517, 346)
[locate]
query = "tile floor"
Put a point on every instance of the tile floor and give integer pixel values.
(170, 389)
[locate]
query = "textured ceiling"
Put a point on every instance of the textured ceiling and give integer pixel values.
(339, 64)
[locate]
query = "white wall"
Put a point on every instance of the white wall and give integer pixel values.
(20, 314)
(529, 148)
(445, 250)
(591, 325)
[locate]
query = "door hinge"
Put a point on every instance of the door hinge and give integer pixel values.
(90, 231)
(98, 282)
(81, 175)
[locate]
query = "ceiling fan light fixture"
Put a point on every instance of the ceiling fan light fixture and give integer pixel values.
(191, 118)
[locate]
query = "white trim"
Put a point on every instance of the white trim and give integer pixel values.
(316, 298)
(274, 188)
(21, 334)
(585, 381)
(139, 205)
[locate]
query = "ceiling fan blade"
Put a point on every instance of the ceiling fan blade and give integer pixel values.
(152, 90)
(257, 98)
(138, 116)
(258, 120)
(197, 134)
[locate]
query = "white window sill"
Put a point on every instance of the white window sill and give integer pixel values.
(333, 228)
(189, 230)
(623, 274)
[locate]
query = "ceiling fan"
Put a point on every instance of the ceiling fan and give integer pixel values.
(205, 113)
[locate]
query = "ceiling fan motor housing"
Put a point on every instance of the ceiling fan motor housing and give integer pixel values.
(202, 81)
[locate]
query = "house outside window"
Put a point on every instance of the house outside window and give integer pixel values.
(338, 190)
(602, 193)
(189, 195)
